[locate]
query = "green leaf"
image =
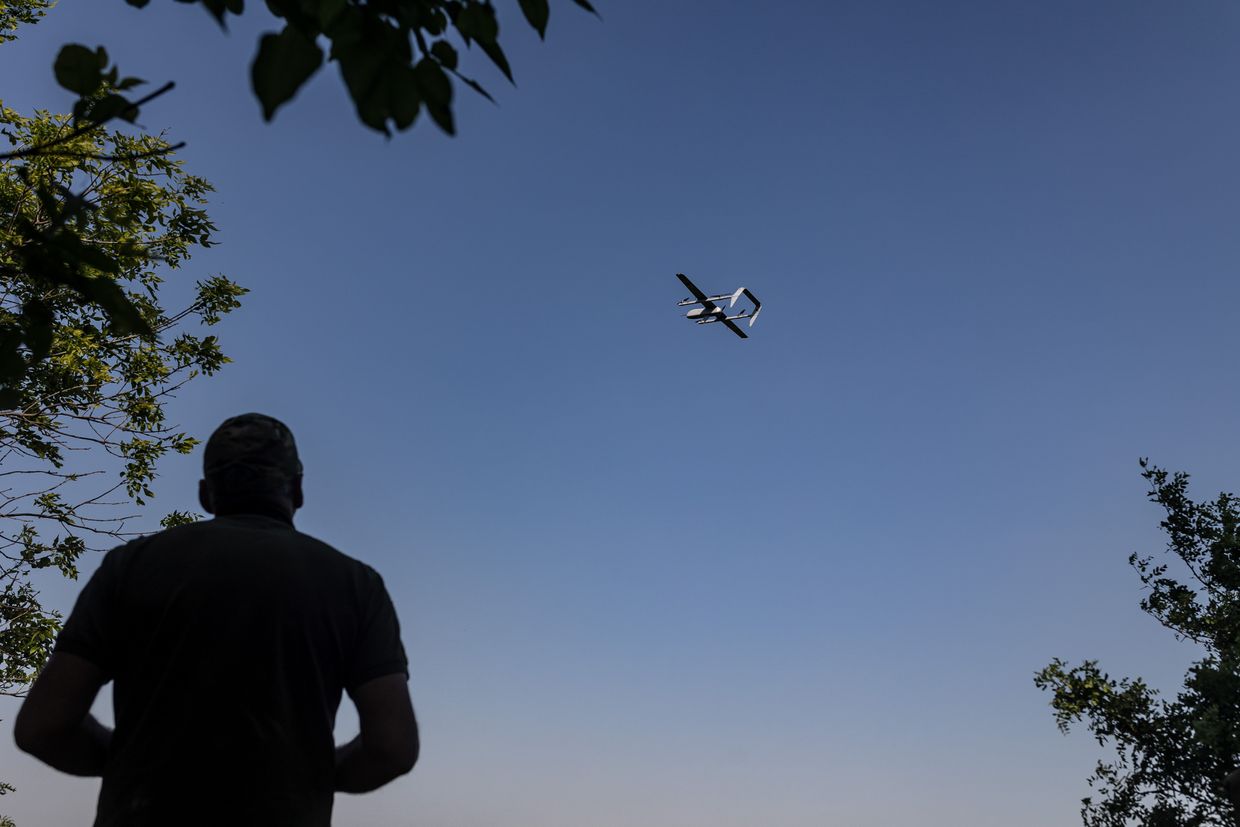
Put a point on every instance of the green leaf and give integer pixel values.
(176, 518)
(476, 21)
(329, 10)
(404, 99)
(38, 321)
(433, 83)
(360, 68)
(496, 54)
(442, 116)
(444, 53)
(436, 92)
(345, 31)
(124, 316)
(435, 23)
(475, 85)
(79, 69)
(112, 106)
(72, 250)
(12, 365)
(284, 62)
(586, 5)
(537, 12)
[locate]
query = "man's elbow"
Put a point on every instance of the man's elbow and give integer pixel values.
(23, 739)
(401, 757)
(398, 744)
(28, 735)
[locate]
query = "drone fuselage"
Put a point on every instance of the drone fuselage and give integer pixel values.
(708, 311)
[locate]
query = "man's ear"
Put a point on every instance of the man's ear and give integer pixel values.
(204, 497)
(299, 499)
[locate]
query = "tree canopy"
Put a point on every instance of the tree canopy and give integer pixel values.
(396, 57)
(82, 429)
(1170, 756)
(91, 221)
(15, 12)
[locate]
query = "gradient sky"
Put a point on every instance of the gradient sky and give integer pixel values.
(650, 574)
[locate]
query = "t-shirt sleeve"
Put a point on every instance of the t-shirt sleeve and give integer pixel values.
(91, 630)
(378, 651)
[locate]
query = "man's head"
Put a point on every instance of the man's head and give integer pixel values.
(250, 464)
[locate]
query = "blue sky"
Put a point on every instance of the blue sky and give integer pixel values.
(654, 575)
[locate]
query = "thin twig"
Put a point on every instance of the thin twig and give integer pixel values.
(84, 129)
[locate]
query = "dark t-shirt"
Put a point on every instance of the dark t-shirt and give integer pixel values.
(229, 642)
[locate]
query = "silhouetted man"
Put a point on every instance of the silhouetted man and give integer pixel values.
(1231, 785)
(229, 642)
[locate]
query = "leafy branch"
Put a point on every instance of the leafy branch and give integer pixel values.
(1171, 756)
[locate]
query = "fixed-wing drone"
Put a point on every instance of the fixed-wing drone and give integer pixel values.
(711, 312)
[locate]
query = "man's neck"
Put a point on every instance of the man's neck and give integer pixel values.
(259, 507)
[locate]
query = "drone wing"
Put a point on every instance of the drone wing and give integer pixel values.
(757, 305)
(732, 327)
(697, 294)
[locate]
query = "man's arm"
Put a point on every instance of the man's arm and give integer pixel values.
(1231, 785)
(55, 724)
(388, 745)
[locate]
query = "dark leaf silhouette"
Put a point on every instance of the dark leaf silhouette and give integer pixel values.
(284, 62)
(537, 12)
(80, 70)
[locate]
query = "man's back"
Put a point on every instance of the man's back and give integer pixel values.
(229, 642)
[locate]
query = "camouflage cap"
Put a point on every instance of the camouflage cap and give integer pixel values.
(254, 441)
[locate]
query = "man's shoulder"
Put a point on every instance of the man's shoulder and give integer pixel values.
(233, 529)
(331, 554)
(244, 535)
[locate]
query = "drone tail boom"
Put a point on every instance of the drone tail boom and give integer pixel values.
(757, 305)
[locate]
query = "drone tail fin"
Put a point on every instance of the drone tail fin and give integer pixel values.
(757, 305)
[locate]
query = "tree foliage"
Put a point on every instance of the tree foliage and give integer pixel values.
(12, 14)
(81, 432)
(50, 244)
(1170, 755)
(396, 57)
(90, 220)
